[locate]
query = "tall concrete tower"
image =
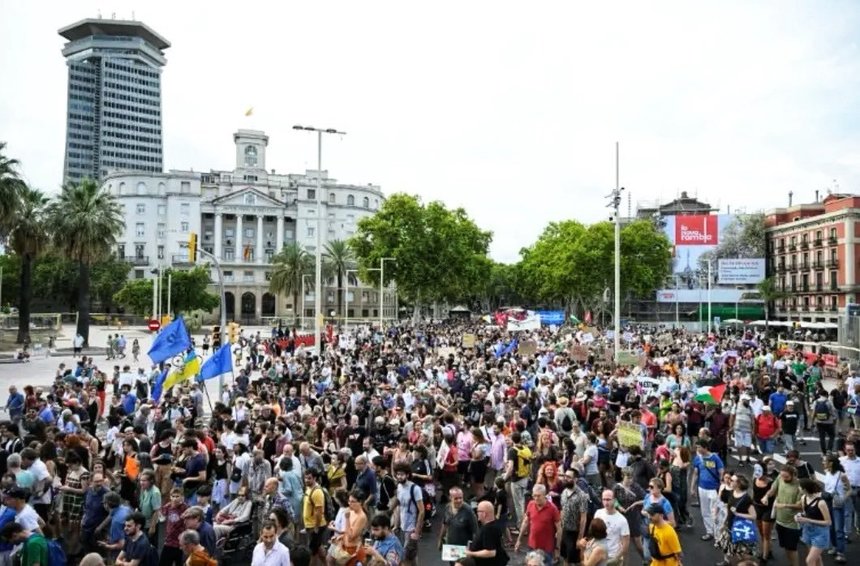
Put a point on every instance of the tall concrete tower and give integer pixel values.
(113, 120)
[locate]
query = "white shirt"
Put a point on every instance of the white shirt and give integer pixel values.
(28, 518)
(852, 469)
(40, 472)
(278, 556)
(126, 378)
(616, 529)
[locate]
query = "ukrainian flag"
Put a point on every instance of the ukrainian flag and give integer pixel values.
(189, 370)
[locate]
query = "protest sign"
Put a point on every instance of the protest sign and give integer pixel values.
(527, 348)
(468, 340)
(629, 435)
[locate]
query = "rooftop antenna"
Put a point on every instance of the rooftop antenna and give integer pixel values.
(790, 194)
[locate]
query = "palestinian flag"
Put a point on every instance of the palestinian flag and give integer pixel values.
(711, 394)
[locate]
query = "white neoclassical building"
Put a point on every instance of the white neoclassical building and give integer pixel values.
(243, 217)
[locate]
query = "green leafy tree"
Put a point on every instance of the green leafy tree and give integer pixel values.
(136, 296)
(440, 254)
(504, 286)
(86, 222)
(290, 264)
(188, 292)
(339, 258)
(548, 268)
(108, 277)
(11, 187)
(29, 238)
(56, 276)
(10, 264)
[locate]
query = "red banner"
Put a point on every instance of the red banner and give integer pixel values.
(698, 230)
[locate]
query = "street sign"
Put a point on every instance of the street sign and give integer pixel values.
(154, 325)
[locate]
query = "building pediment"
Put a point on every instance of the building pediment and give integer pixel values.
(246, 197)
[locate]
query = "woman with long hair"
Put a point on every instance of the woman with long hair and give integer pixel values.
(764, 518)
(837, 490)
(740, 506)
(680, 468)
(629, 496)
(480, 459)
(595, 548)
(814, 519)
(547, 476)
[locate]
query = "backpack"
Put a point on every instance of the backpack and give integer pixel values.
(523, 468)
(822, 411)
(329, 510)
(56, 554)
(654, 548)
(566, 422)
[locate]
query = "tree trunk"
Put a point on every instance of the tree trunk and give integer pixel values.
(84, 301)
(340, 297)
(24, 297)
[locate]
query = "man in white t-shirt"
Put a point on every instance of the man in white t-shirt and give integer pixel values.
(41, 490)
(16, 498)
(617, 529)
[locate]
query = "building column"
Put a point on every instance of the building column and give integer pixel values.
(259, 250)
(219, 227)
(279, 234)
(240, 246)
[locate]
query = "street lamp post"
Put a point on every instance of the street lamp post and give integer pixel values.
(615, 197)
(318, 271)
(304, 293)
(382, 261)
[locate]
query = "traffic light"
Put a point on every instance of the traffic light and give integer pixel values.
(192, 247)
(233, 332)
(216, 337)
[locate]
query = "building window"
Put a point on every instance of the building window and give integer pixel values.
(312, 194)
(184, 227)
(162, 209)
(185, 187)
(140, 229)
(250, 198)
(228, 275)
(834, 281)
(139, 250)
(365, 313)
(185, 209)
(228, 232)
(267, 275)
(141, 188)
(365, 202)
(141, 208)
(331, 198)
(249, 232)
(375, 203)
(350, 200)
(228, 254)
(139, 274)
(160, 252)
(250, 156)
(833, 235)
(120, 251)
(311, 232)
(160, 231)
(248, 276)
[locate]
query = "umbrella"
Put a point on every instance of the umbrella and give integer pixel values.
(711, 394)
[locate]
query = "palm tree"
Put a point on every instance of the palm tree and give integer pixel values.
(10, 189)
(290, 264)
(339, 258)
(86, 221)
(29, 238)
(770, 292)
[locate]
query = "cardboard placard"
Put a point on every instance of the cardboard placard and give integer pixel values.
(629, 434)
(579, 352)
(469, 340)
(446, 351)
(527, 348)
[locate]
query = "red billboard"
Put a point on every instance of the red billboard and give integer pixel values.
(697, 230)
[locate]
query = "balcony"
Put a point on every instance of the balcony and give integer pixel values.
(834, 286)
(819, 287)
(792, 247)
(781, 268)
(819, 308)
(804, 245)
(818, 242)
(137, 260)
(831, 240)
(834, 308)
(780, 248)
(817, 264)
(833, 264)
(792, 267)
(804, 265)
(804, 288)
(180, 259)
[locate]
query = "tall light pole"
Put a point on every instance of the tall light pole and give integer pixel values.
(318, 316)
(615, 197)
(382, 261)
(304, 294)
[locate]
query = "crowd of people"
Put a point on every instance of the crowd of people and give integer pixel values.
(390, 437)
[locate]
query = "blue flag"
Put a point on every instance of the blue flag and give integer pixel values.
(172, 340)
(159, 385)
(220, 363)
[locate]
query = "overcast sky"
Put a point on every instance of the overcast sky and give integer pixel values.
(510, 110)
